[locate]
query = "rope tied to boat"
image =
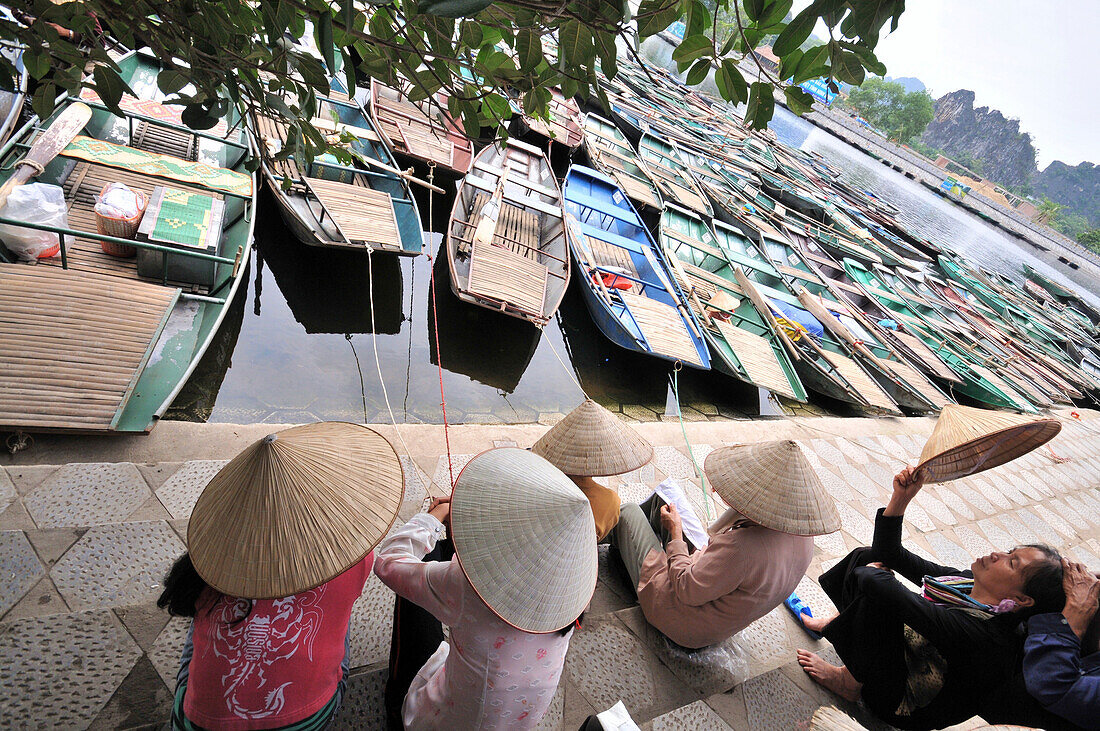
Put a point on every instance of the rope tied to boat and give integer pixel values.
(38, 167)
(676, 368)
(435, 332)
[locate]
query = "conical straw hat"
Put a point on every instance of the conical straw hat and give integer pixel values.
(968, 440)
(295, 509)
(830, 718)
(592, 442)
(525, 537)
(772, 484)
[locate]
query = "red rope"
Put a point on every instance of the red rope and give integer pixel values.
(439, 364)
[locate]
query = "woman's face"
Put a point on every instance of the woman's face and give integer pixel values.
(1003, 575)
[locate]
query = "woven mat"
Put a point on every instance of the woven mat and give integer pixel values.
(155, 110)
(926, 355)
(663, 328)
(184, 218)
(162, 166)
(503, 275)
(757, 359)
(914, 378)
(864, 385)
(363, 214)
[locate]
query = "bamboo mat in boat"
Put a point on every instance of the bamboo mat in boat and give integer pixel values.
(634, 187)
(926, 355)
(864, 385)
(364, 215)
(503, 275)
(613, 257)
(428, 143)
(516, 229)
(72, 345)
(757, 357)
(171, 114)
(912, 377)
(663, 328)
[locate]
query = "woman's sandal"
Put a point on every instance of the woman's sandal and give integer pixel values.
(798, 609)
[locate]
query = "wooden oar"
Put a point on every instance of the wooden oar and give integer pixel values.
(832, 322)
(765, 311)
(48, 145)
(490, 212)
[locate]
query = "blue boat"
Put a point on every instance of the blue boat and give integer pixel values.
(626, 281)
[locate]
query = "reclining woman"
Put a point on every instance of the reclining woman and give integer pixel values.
(524, 571)
(937, 659)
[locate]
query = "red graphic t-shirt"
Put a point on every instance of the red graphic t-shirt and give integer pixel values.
(277, 665)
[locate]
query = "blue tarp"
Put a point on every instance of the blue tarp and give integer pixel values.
(803, 318)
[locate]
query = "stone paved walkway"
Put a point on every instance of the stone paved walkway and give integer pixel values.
(84, 545)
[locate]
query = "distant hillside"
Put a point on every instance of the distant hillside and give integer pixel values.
(1077, 188)
(910, 83)
(1006, 154)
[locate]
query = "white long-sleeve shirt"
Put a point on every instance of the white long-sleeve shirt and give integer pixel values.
(488, 675)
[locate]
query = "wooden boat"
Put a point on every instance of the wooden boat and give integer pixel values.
(824, 364)
(518, 264)
(419, 132)
(329, 204)
(563, 125)
(743, 343)
(609, 152)
(117, 338)
(1048, 284)
(626, 281)
(671, 175)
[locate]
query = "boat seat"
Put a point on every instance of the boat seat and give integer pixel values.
(364, 216)
(606, 208)
(516, 229)
(517, 180)
(611, 238)
(516, 200)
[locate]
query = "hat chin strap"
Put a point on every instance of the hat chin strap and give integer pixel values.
(732, 517)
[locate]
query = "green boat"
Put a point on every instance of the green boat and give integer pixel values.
(670, 173)
(98, 342)
(979, 383)
(610, 152)
(1048, 284)
(824, 364)
(744, 345)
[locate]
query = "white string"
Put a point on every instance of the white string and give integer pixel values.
(374, 346)
(567, 369)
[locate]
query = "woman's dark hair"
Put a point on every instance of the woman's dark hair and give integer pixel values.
(182, 588)
(1043, 583)
(575, 623)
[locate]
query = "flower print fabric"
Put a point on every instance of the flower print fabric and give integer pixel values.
(488, 675)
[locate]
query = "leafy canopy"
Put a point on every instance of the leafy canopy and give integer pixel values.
(223, 54)
(901, 115)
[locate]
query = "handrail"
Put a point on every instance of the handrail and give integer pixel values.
(169, 125)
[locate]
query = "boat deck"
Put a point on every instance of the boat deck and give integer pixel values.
(757, 357)
(72, 344)
(663, 328)
(862, 383)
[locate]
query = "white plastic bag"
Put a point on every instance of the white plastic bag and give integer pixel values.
(617, 718)
(34, 203)
(118, 201)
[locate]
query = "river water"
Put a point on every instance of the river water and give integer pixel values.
(320, 335)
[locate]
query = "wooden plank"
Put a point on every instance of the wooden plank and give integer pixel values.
(662, 327)
(364, 215)
(864, 385)
(504, 276)
(68, 359)
(757, 357)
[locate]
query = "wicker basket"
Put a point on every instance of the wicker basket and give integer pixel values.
(123, 228)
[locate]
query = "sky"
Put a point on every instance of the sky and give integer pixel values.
(1038, 62)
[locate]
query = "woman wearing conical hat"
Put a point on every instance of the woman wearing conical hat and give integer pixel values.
(524, 571)
(758, 552)
(593, 442)
(279, 548)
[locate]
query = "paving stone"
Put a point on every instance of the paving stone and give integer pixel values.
(692, 717)
(855, 524)
(166, 651)
(831, 544)
(834, 485)
(7, 490)
(858, 480)
(144, 623)
(1040, 527)
(948, 552)
(730, 707)
(87, 494)
(673, 462)
(416, 488)
(881, 477)
(364, 705)
(1028, 483)
(442, 476)
(1072, 510)
(646, 474)
(27, 477)
(917, 517)
(155, 473)
(553, 719)
(1001, 539)
(372, 624)
(973, 542)
(766, 641)
(813, 596)
(141, 698)
(41, 599)
(612, 573)
(550, 418)
(970, 494)
(128, 561)
(608, 664)
(639, 412)
(1020, 532)
(180, 491)
(954, 502)
(20, 568)
(827, 450)
(852, 451)
(1011, 490)
(773, 701)
(60, 671)
(16, 517)
(935, 508)
(1091, 500)
(991, 491)
(712, 669)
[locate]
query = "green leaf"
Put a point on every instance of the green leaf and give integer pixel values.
(529, 49)
(812, 58)
(198, 117)
(775, 13)
(499, 107)
(761, 105)
(798, 101)
(698, 18)
(574, 43)
(846, 65)
(43, 100)
(324, 41)
(754, 8)
(37, 63)
(731, 84)
(692, 48)
(655, 15)
(796, 32)
(698, 72)
(470, 35)
(349, 13)
(170, 81)
(789, 63)
(110, 86)
(608, 53)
